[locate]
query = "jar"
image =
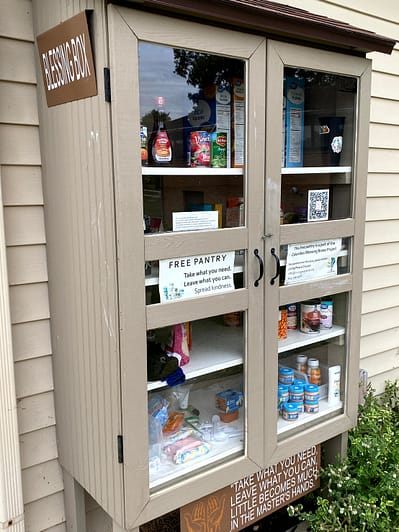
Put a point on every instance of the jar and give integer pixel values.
(311, 407)
(285, 375)
(282, 324)
(311, 392)
(296, 393)
(301, 363)
(314, 375)
(282, 395)
(300, 407)
(289, 411)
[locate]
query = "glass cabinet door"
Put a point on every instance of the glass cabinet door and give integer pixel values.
(319, 258)
(192, 184)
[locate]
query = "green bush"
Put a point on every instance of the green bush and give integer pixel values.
(361, 491)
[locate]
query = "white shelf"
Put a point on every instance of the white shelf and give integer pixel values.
(284, 426)
(188, 171)
(317, 170)
(214, 347)
(296, 339)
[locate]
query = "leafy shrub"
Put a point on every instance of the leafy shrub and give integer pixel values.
(360, 493)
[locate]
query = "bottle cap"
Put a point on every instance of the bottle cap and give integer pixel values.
(313, 363)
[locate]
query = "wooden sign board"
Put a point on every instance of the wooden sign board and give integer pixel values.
(66, 61)
(250, 499)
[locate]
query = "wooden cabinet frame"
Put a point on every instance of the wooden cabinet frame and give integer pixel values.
(97, 247)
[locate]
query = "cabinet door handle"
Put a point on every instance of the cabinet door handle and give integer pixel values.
(273, 252)
(261, 267)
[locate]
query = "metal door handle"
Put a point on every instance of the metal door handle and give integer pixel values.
(273, 252)
(261, 267)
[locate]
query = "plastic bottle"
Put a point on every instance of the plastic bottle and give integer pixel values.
(160, 146)
(314, 371)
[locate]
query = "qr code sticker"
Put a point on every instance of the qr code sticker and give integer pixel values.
(318, 205)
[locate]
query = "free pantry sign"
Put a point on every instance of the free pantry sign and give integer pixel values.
(198, 275)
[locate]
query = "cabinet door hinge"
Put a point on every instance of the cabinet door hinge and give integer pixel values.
(107, 84)
(120, 448)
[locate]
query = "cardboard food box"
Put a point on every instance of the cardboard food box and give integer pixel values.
(294, 91)
(238, 123)
(211, 112)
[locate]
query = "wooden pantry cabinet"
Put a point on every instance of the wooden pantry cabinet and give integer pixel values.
(204, 257)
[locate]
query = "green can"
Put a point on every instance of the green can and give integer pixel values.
(218, 150)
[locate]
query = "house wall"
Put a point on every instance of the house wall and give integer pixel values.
(26, 257)
(380, 309)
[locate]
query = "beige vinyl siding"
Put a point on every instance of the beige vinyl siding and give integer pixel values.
(379, 348)
(27, 269)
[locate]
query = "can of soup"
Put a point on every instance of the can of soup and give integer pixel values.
(310, 316)
(200, 148)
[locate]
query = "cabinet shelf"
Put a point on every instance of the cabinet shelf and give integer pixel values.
(220, 450)
(317, 170)
(214, 347)
(296, 339)
(325, 410)
(168, 170)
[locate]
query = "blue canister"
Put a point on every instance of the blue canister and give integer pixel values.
(289, 411)
(311, 392)
(296, 393)
(300, 407)
(311, 406)
(285, 375)
(282, 395)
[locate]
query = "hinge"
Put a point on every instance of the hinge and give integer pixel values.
(120, 448)
(107, 84)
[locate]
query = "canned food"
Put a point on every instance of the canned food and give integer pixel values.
(282, 324)
(296, 393)
(289, 411)
(311, 407)
(200, 148)
(311, 392)
(218, 150)
(326, 314)
(310, 316)
(286, 375)
(291, 317)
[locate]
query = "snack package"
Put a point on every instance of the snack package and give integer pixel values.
(174, 422)
(180, 342)
(184, 450)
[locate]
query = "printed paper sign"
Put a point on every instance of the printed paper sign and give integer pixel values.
(193, 221)
(312, 260)
(250, 499)
(198, 275)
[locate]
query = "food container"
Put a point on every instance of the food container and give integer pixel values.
(311, 392)
(200, 149)
(285, 375)
(310, 316)
(282, 324)
(289, 411)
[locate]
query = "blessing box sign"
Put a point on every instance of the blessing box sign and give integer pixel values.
(66, 61)
(198, 275)
(250, 499)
